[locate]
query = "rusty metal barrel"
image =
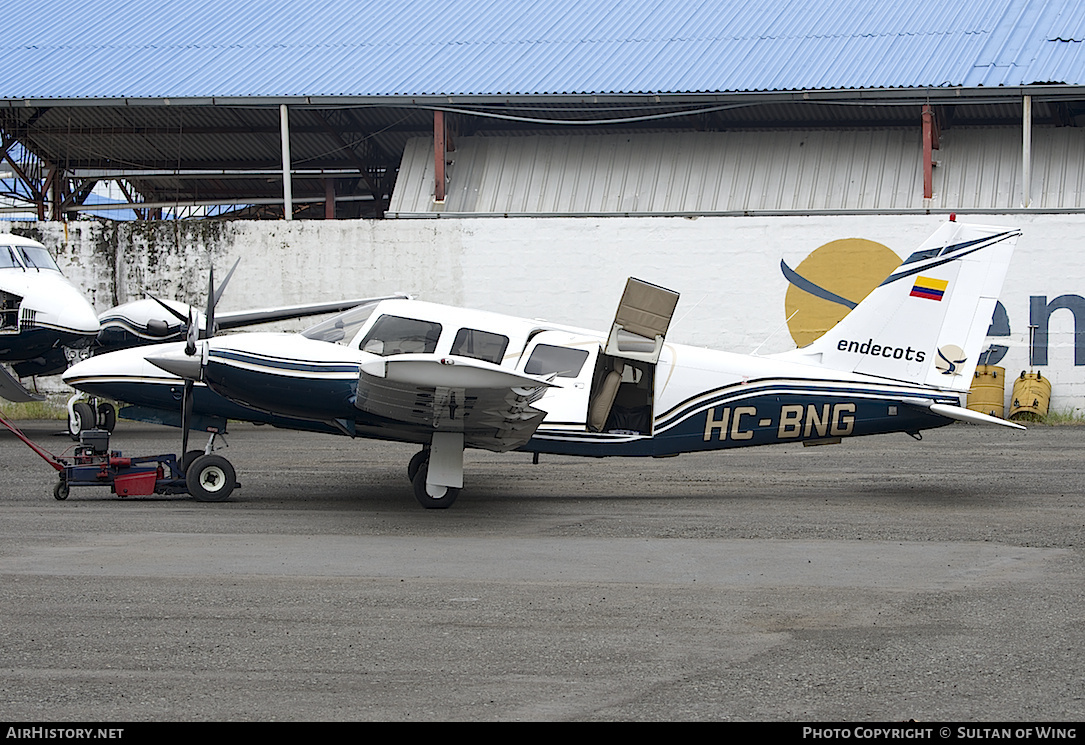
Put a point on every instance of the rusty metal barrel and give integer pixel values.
(987, 394)
(1031, 397)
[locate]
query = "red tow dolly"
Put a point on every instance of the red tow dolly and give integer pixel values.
(207, 477)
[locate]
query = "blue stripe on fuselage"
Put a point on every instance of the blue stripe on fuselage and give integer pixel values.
(760, 419)
(261, 383)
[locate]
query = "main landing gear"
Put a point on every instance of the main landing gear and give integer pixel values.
(436, 472)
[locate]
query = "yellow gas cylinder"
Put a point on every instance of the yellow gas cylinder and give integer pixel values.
(988, 392)
(1031, 397)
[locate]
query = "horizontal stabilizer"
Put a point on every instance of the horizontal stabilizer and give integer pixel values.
(973, 417)
(962, 414)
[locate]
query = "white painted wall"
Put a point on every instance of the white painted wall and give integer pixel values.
(569, 270)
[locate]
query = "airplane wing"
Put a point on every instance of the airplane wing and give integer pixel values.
(14, 391)
(490, 405)
(238, 318)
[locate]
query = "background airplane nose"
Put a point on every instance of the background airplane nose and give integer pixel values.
(76, 313)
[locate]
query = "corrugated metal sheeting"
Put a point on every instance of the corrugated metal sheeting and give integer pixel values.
(123, 49)
(877, 170)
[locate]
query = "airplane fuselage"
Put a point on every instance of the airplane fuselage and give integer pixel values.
(692, 399)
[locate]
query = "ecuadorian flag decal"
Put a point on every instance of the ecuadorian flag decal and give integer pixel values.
(931, 289)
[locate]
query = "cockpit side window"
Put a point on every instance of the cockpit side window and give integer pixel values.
(547, 359)
(480, 345)
(7, 258)
(395, 335)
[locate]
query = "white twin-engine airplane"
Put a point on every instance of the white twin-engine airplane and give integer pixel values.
(41, 314)
(448, 378)
(45, 322)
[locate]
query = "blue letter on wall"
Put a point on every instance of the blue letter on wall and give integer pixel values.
(1040, 313)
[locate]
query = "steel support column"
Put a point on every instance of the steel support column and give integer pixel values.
(329, 199)
(930, 144)
(439, 156)
(284, 128)
(1026, 152)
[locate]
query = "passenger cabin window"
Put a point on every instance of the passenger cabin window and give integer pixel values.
(546, 359)
(480, 345)
(394, 335)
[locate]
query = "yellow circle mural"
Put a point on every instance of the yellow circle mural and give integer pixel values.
(830, 282)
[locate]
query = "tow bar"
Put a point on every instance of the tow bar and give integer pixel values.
(207, 477)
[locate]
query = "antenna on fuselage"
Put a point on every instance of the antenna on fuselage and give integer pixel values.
(775, 331)
(688, 311)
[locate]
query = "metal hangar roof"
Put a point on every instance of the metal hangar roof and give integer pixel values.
(124, 49)
(180, 106)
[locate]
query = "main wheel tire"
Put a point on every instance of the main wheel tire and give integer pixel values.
(60, 491)
(107, 417)
(424, 498)
(82, 417)
(422, 456)
(210, 478)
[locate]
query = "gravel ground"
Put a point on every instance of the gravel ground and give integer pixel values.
(879, 580)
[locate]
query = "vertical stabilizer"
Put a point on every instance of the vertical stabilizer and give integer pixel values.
(926, 323)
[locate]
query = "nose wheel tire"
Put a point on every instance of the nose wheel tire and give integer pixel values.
(430, 502)
(210, 478)
(83, 417)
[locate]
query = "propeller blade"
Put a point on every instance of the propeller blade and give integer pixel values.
(209, 317)
(186, 414)
(193, 333)
(172, 311)
(222, 288)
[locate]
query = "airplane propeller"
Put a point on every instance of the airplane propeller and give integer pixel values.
(194, 334)
(191, 321)
(191, 369)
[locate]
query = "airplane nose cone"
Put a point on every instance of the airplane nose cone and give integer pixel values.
(178, 363)
(58, 303)
(79, 316)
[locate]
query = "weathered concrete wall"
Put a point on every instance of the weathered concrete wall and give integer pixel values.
(569, 270)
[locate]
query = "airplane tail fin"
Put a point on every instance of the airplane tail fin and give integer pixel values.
(926, 323)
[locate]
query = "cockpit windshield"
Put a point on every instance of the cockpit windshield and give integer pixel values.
(7, 258)
(36, 257)
(342, 326)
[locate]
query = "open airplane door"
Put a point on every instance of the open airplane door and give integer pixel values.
(623, 385)
(641, 323)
